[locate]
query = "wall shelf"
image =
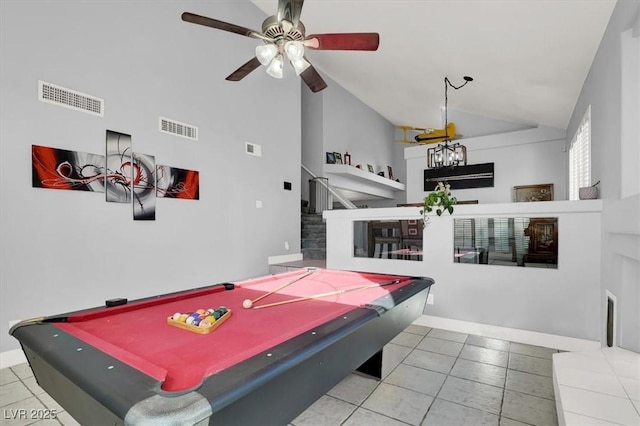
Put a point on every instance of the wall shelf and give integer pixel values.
(357, 184)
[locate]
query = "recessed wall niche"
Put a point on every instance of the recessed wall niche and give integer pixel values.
(388, 239)
(507, 241)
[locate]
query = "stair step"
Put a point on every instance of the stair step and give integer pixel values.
(313, 243)
(314, 253)
(313, 236)
(312, 218)
(315, 228)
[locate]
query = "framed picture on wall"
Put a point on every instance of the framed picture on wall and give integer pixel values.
(331, 159)
(338, 157)
(526, 193)
(370, 168)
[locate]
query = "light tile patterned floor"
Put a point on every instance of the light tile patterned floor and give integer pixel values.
(446, 378)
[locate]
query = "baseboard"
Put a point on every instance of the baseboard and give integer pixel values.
(275, 260)
(511, 334)
(11, 358)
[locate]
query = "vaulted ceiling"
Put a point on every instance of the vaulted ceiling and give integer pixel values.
(528, 58)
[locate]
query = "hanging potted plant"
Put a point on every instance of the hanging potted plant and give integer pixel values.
(440, 200)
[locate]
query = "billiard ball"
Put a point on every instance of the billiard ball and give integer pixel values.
(247, 304)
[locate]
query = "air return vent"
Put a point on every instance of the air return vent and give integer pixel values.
(179, 129)
(253, 149)
(61, 96)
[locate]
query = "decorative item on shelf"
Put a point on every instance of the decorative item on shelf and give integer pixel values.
(331, 159)
(358, 166)
(440, 199)
(589, 192)
(390, 171)
(381, 174)
(370, 168)
(448, 154)
(338, 157)
(347, 158)
(528, 193)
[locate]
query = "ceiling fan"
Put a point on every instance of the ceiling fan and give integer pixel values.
(284, 36)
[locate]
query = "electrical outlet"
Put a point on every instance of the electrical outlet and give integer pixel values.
(430, 299)
(286, 245)
(258, 204)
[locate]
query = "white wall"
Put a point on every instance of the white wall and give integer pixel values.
(337, 121)
(563, 301)
(313, 154)
(524, 157)
(610, 136)
(65, 250)
(350, 125)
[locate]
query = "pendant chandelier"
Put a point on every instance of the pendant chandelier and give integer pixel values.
(448, 154)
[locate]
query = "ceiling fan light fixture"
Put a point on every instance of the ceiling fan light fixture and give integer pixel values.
(294, 50)
(277, 31)
(265, 53)
(300, 65)
(275, 67)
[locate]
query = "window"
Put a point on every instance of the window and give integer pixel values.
(580, 157)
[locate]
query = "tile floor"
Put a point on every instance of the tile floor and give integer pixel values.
(598, 387)
(446, 378)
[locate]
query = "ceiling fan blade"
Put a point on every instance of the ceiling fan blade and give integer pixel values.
(313, 79)
(244, 70)
(290, 10)
(343, 41)
(221, 25)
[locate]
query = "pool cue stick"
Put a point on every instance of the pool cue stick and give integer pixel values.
(329, 293)
(309, 272)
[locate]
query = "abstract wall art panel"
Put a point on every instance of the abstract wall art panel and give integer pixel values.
(144, 187)
(172, 182)
(124, 176)
(54, 168)
(119, 167)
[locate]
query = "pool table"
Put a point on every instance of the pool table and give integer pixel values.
(124, 364)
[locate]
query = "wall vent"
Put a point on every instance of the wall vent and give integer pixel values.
(177, 128)
(253, 149)
(61, 96)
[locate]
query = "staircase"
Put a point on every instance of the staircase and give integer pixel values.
(313, 242)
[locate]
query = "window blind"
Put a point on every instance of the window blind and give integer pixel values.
(580, 157)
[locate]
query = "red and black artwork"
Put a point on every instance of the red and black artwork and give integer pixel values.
(144, 187)
(124, 176)
(54, 168)
(172, 182)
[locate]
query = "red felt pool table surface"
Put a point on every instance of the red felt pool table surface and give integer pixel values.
(138, 333)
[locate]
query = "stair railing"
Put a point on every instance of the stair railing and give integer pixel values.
(333, 191)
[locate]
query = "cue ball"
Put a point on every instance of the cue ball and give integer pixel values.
(247, 304)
